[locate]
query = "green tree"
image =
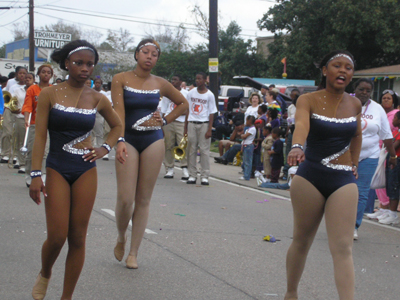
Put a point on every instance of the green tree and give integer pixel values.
(306, 30)
(185, 63)
(237, 56)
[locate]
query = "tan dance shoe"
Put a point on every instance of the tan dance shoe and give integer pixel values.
(131, 262)
(40, 288)
(119, 250)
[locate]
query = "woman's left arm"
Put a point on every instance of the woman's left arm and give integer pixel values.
(175, 96)
(105, 109)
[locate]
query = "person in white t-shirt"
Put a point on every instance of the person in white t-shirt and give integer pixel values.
(375, 127)
(19, 91)
(174, 131)
(198, 126)
(248, 147)
(9, 117)
(255, 100)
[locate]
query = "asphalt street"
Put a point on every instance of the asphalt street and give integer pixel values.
(201, 243)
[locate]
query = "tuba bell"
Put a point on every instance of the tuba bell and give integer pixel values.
(179, 151)
(10, 102)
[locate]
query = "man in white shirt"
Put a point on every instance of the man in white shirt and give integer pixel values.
(9, 117)
(198, 125)
(174, 132)
(19, 91)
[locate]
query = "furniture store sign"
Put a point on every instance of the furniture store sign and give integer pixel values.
(53, 40)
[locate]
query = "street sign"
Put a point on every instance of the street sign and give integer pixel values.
(53, 40)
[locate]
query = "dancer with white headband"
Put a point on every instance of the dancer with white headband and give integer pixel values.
(325, 183)
(136, 95)
(68, 112)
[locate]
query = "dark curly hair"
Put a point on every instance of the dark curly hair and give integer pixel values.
(366, 80)
(395, 98)
(60, 55)
(325, 61)
(273, 113)
(145, 41)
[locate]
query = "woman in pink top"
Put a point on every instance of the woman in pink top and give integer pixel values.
(389, 100)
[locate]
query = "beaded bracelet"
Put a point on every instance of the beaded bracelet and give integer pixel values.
(107, 146)
(36, 173)
(297, 146)
(164, 121)
(121, 139)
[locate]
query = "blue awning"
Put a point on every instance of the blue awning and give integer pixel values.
(285, 82)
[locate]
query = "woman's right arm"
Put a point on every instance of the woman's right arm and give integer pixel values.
(302, 123)
(117, 96)
(42, 116)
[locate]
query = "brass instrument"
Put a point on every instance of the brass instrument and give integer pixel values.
(10, 102)
(179, 151)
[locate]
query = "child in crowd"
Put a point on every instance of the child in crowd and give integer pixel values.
(274, 120)
(248, 147)
(262, 112)
(276, 153)
(267, 145)
(257, 166)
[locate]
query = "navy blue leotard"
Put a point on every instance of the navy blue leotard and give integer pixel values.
(328, 139)
(139, 105)
(69, 126)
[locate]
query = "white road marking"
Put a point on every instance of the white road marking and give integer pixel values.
(112, 213)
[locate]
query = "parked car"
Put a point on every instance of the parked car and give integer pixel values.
(231, 96)
(304, 89)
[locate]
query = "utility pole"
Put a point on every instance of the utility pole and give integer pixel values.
(31, 39)
(213, 48)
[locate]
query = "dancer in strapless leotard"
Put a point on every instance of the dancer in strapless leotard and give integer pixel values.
(135, 97)
(325, 182)
(68, 112)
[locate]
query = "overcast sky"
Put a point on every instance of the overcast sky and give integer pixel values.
(244, 12)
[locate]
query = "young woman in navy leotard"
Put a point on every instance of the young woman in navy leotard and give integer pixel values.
(135, 95)
(68, 112)
(325, 182)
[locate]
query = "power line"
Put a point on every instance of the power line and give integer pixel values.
(39, 13)
(117, 15)
(14, 20)
(112, 18)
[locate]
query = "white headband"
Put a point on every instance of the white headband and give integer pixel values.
(149, 44)
(341, 55)
(79, 49)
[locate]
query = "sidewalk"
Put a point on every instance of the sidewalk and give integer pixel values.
(230, 173)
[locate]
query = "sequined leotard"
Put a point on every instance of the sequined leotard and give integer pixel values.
(70, 118)
(328, 164)
(139, 106)
(69, 126)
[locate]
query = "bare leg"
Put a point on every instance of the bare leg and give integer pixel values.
(340, 217)
(150, 163)
(57, 207)
(221, 148)
(82, 201)
(308, 208)
(127, 175)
